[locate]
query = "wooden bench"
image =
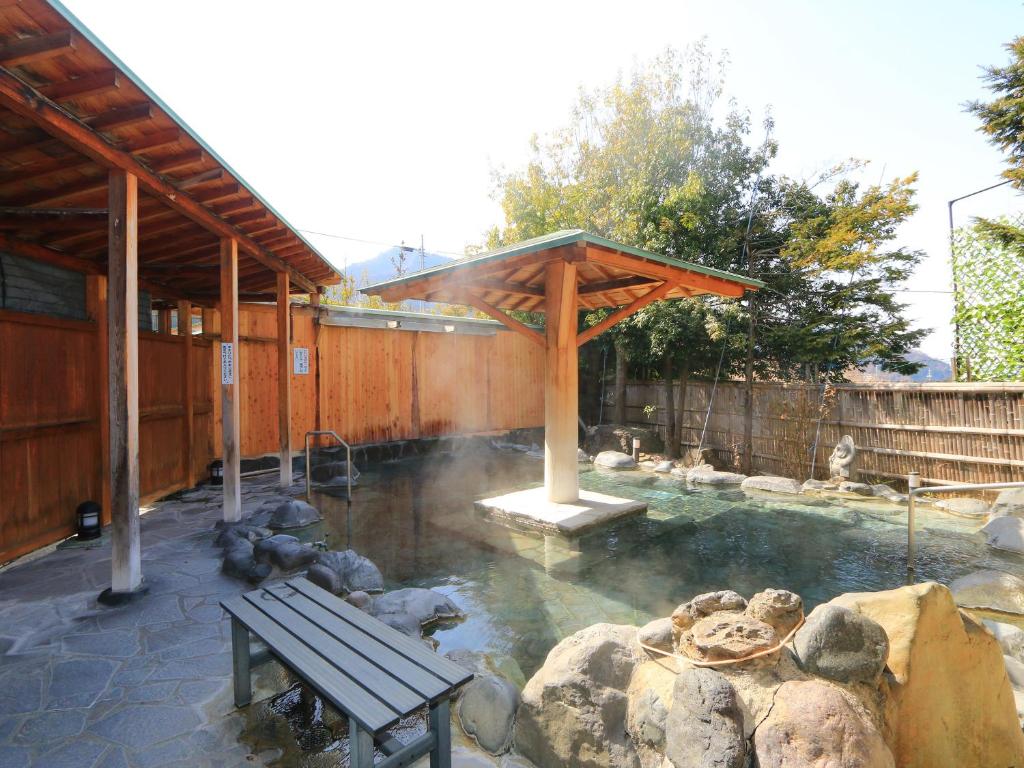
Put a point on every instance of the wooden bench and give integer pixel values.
(372, 673)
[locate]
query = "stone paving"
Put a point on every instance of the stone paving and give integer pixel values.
(140, 685)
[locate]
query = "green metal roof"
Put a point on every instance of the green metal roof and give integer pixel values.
(554, 240)
(87, 33)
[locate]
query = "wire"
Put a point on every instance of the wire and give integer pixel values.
(371, 242)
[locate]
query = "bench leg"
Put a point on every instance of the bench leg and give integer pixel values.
(242, 672)
(440, 722)
(360, 746)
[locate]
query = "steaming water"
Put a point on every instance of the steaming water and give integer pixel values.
(524, 592)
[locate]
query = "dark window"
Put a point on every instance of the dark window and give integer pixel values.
(32, 286)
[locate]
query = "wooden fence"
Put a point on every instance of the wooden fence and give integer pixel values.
(950, 433)
(367, 384)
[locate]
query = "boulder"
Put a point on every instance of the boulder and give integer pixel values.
(883, 491)
(359, 599)
(1009, 502)
(690, 612)
(818, 725)
(778, 607)
(813, 485)
(841, 645)
(426, 605)
(293, 514)
(963, 506)
(582, 456)
(1005, 533)
(756, 685)
(240, 563)
(487, 710)
(708, 475)
(231, 532)
(325, 578)
(772, 484)
(859, 489)
(263, 549)
(950, 703)
(664, 467)
(994, 590)
(405, 623)
(705, 726)
(573, 711)
(290, 556)
(355, 572)
(727, 636)
(614, 460)
(650, 699)
(617, 437)
(1015, 672)
(1009, 637)
(657, 634)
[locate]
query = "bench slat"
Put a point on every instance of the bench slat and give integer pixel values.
(375, 682)
(332, 683)
(372, 648)
(415, 651)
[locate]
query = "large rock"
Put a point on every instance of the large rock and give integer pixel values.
(1010, 638)
(705, 726)
(780, 608)
(994, 590)
(727, 636)
(650, 699)
(950, 704)
(614, 460)
(695, 609)
(1009, 502)
(964, 507)
(772, 484)
(487, 709)
(240, 563)
(708, 475)
(293, 514)
(842, 645)
(573, 711)
(1015, 672)
(426, 605)
(1005, 533)
(355, 572)
(815, 724)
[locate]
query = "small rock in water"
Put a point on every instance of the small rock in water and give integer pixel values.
(664, 467)
(772, 484)
(819, 485)
(842, 645)
(293, 514)
(778, 607)
(1005, 533)
(355, 572)
(405, 623)
(861, 489)
(883, 491)
(964, 507)
(614, 460)
(425, 604)
(704, 728)
(995, 590)
(687, 614)
(706, 474)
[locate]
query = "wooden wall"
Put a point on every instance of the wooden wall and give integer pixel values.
(368, 385)
(950, 433)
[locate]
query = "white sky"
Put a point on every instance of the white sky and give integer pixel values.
(384, 121)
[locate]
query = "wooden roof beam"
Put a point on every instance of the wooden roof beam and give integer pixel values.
(505, 319)
(520, 289)
(21, 98)
(81, 87)
(121, 117)
(616, 317)
(29, 49)
(86, 186)
(177, 162)
(614, 285)
(150, 141)
(49, 256)
(681, 275)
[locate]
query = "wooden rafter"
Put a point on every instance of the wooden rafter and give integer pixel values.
(80, 87)
(505, 319)
(28, 49)
(617, 317)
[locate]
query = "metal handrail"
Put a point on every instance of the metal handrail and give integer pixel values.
(915, 489)
(348, 459)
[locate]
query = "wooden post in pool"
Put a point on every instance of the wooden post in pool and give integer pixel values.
(561, 396)
(229, 370)
(284, 378)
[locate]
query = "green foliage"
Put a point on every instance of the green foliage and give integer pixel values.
(989, 305)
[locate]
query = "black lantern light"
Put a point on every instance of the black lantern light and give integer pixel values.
(88, 520)
(217, 472)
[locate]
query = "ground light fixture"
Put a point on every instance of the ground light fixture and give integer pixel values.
(87, 521)
(217, 472)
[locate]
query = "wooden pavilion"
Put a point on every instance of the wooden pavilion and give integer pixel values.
(560, 274)
(98, 176)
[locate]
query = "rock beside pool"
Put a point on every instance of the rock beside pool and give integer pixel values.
(293, 514)
(425, 605)
(815, 723)
(240, 563)
(858, 489)
(614, 460)
(813, 486)
(883, 491)
(964, 507)
(994, 590)
(1009, 502)
(1005, 533)
(405, 623)
(704, 729)
(696, 608)
(657, 634)
(582, 456)
(354, 572)
(772, 484)
(725, 636)
(359, 599)
(708, 475)
(664, 467)
(230, 532)
(949, 702)
(486, 706)
(779, 608)
(1009, 637)
(842, 645)
(573, 710)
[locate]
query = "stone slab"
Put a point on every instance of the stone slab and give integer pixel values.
(531, 510)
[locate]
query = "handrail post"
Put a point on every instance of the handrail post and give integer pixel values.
(308, 484)
(913, 483)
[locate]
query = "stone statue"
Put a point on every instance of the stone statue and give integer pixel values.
(841, 462)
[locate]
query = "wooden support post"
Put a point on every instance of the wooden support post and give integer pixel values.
(229, 370)
(561, 406)
(187, 391)
(96, 296)
(284, 377)
(164, 321)
(123, 381)
(314, 355)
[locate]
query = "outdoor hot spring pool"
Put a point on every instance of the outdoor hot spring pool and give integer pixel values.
(524, 592)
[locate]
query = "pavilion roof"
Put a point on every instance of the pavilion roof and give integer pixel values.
(70, 112)
(609, 274)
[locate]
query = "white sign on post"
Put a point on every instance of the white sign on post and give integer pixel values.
(227, 363)
(300, 357)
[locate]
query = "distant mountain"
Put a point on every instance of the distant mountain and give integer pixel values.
(382, 266)
(933, 370)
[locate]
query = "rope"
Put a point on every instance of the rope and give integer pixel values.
(723, 662)
(711, 400)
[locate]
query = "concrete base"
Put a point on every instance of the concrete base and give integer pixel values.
(531, 510)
